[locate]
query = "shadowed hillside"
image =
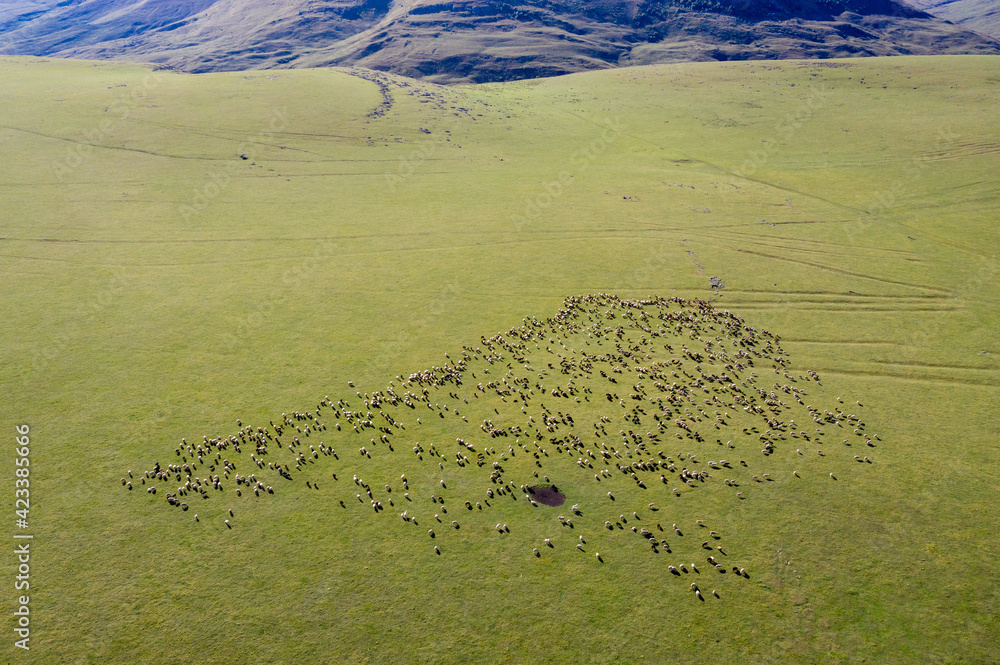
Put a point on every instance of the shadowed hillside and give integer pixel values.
(474, 40)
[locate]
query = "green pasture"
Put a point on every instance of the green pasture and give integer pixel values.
(179, 252)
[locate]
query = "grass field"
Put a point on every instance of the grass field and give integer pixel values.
(179, 252)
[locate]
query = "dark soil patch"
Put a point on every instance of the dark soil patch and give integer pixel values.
(548, 495)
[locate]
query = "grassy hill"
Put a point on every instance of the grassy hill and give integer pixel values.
(189, 255)
(474, 40)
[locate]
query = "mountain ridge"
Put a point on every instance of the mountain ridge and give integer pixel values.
(982, 16)
(473, 40)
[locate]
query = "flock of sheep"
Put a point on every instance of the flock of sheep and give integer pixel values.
(702, 402)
